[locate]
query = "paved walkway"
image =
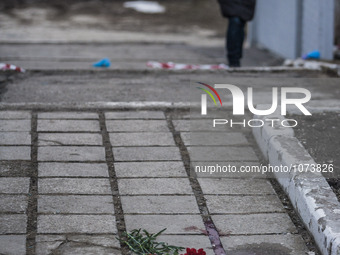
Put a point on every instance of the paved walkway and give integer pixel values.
(71, 182)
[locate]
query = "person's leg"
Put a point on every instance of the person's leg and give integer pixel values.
(234, 41)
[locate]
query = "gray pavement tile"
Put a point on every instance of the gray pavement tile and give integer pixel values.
(74, 186)
(154, 186)
(236, 186)
(15, 152)
(288, 244)
(75, 204)
(213, 138)
(192, 241)
(89, 224)
(102, 240)
(137, 126)
(68, 115)
(68, 125)
(197, 125)
(71, 153)
(55, 169)
(13, 244)
(13, 223)
(15, 125)
(142, 139)
(47, 243)
(159, 204)
(13, 203)
(51, 139)
(174, 224)
(243, 204)
(253, 224)
(146, 153)
(15, 115)
(224, 154)
(15, 138)
(15, 185)
(150, 169)
(135, 115)
(72, 248)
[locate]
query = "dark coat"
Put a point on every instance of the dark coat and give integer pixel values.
(238, 8)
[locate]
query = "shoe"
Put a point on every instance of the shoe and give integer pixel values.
(234, 63)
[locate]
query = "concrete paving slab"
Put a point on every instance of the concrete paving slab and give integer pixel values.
(195, 126)
(74, 248)
(15, 152)
(14, 185)
(73, 204)
(211, 139)
(190, 241)
(225, 186)
(89, 224)
(137, 126)
(253, 224)
(146, 115)
(68, 125)
(47, 243)
(287, 244)
(224, 154)
(102, 240)
(159, 204)
(15, 115)
(68, 115)
(15, 138)
(13, 223)
(71, 153)
(16, 168)
(142, 139)
(74, 186)
(174, 224)
(56, 139)
(13, 244)
(146, 153)
(150, 169)
(9, 125)
(243, 204)
(13, 203)
(155, 186)
(53, 169)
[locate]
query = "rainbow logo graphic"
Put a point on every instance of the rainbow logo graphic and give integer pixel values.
(209, 93)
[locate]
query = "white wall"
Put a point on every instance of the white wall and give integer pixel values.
(291, 28)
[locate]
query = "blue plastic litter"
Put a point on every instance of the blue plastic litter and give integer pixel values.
(315, 54)
(105, 62)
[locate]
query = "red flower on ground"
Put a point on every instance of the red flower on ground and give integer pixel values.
(194, 252)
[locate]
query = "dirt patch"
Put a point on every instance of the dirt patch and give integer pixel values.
(319, 134)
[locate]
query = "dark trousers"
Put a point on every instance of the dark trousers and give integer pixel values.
(234, 41)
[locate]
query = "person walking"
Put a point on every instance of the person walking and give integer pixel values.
(238, 13)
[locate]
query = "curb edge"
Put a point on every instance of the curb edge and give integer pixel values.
(310, 194)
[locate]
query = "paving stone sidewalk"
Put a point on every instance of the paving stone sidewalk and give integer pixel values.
(71, 182)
